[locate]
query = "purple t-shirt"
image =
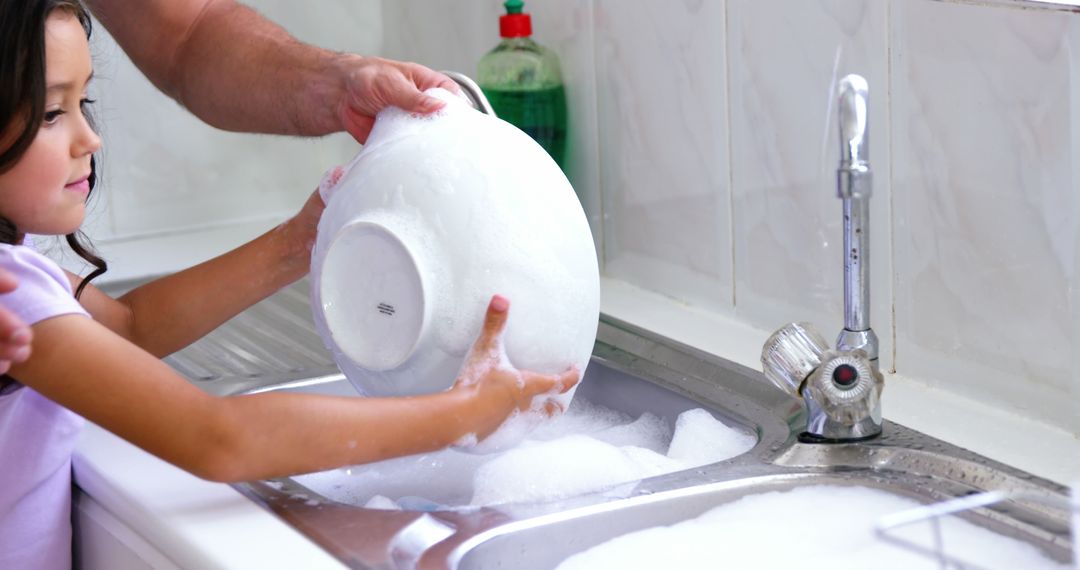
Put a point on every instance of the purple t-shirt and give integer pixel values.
(37, 435)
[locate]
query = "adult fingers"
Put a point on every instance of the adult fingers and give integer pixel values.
(410, 99)
(14, 353)
(7, 281)
(13, 331)
(17, 337)
(426, 78)
(357, 124)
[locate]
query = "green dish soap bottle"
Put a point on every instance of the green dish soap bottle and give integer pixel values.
(523, 83)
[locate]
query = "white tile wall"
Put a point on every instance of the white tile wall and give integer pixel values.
(987, 203)
(166, 172)
(664, 147)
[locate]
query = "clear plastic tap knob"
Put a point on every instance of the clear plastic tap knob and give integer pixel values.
(791, 354)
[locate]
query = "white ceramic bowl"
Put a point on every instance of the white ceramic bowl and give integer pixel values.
(433, 217)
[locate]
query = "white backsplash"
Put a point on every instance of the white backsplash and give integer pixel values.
(715, 169)
(165, 172)
(986, 203)
(703, 144)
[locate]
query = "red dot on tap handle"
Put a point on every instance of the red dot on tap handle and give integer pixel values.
(845, 374)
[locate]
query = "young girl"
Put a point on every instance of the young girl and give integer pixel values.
(98, 358)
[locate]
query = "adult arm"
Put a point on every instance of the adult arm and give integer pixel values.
(139, 398)
(238, 71)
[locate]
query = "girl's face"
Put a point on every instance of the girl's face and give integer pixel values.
(45, 192)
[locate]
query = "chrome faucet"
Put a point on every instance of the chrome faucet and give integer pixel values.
(841, 388)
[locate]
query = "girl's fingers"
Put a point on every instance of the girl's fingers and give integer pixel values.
(482, 353)
(329, 182)
(545, 383)
(569, 379)
(494, 324)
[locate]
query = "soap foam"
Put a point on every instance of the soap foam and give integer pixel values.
(586, 449)
(699, 437)
(818, 526)
(525, 474)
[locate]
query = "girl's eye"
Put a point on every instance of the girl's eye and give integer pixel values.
(52, 116)
(86, 102)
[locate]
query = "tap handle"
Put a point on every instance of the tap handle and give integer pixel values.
(853, 176)
(852, 111)
(847, 387)
(791, 354)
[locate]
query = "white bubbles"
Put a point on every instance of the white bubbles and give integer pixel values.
(699, 437)
(512, 432)
(818, 526)
(379, 502)
(540, 471)
(589, 448)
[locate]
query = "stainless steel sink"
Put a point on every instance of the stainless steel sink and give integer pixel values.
(633, 371)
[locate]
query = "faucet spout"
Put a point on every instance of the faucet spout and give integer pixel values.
(854, 186)
(841, 388)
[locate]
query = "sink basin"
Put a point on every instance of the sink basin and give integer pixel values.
(632, 371)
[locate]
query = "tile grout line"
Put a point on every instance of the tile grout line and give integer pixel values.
(730, 152)
(894, 277)
(601, 200)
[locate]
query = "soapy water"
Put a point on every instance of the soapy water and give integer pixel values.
(588, 448)
(817, 526)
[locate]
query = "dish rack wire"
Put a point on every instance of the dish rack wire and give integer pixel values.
(934, 513)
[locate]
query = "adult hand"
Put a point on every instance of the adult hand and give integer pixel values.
(373, 84)
(15, 336)
(501, 387)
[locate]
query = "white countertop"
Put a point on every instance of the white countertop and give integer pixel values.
(192, 522)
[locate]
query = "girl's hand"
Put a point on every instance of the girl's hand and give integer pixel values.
(299, 232)
(497, 386)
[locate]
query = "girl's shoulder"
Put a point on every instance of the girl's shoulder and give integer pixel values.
(43, 289)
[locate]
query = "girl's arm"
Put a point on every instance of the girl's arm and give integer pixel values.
(85, 367)
(167, 314)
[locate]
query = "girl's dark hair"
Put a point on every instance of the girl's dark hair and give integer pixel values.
(22, 98)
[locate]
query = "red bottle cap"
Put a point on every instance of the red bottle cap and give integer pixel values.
(515, 25)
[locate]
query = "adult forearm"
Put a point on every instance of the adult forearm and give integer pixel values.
(229, 65)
